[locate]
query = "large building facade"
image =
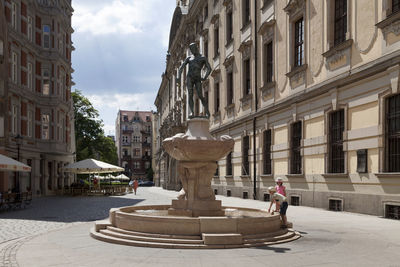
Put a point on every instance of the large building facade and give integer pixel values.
(308, 89)
(36, 114)
(133, 138)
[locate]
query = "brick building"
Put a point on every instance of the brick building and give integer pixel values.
(133, 138)
(36, 114)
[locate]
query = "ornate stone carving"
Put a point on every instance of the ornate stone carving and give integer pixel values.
(337, 54)
(295, 7)
(245, 48)
(267, 30)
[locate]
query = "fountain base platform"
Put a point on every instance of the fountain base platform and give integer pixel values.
(154, 226)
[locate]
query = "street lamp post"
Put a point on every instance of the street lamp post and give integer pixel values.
(18, 141)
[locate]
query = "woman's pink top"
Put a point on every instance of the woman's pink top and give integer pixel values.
(280, 190)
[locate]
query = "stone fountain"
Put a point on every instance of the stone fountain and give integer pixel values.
(195, 219)
(197, 153)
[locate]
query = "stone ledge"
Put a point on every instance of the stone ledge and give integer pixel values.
(223, 239)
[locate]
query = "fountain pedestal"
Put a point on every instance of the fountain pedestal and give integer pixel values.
(197, 152)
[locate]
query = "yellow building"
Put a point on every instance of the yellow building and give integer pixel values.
(308, 89)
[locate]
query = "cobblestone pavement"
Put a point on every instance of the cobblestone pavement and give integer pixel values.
(51, 213)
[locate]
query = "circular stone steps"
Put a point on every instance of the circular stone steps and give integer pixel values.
(152, 226)
(130, 238)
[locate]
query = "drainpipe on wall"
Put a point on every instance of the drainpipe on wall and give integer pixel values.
(256, 102)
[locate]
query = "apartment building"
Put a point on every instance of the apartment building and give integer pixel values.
(36, 114)
(308, 89)
(133, 138)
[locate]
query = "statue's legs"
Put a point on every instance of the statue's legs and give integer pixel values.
(203, 100)
(190, 91)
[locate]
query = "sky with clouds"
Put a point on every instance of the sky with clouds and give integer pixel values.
(120, 48)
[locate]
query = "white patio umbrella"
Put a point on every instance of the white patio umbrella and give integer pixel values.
(9, 164)
(122, 177)
(109, 176)
(90, 166)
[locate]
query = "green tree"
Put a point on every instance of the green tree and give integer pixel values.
(89, 135)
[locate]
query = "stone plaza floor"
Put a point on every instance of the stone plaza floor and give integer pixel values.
(54, 231)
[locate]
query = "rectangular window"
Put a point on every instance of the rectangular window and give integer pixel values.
(295, 144)
(14, 67)
(268, 62)
(30, 29)
(30, 123)
(136, 165)
(229, 27)
(295, 200)
(267, 152)
(298, 42)
(340, 21)
(137, 152)
(245, 156)
(45, 127)
(392, 212)
(216, 97)
(216, 174)
(30, 76)
(46, 36)
(246, 12)
(14, 119)
(14, 15)
(395, 6)
(336, 154)
(205, 12)
(46, 83)
(392, 134)
(216, 42)
(247, 77)
(229, 88)
(335, 204)
(229, 164)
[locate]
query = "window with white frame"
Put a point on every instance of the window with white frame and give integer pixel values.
(60, 45)
(45, 126)
(14, 15)
(136, 139)
(14, 67)
(147, 164)
(30, 29)
(46, 36)
(46, 82)
(136, 165)
(299, 42)
(62, 134)
(30, 76)
(124, 139)
(14, 119)
(62, 84)
(30, 123)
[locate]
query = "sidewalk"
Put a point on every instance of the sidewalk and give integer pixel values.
(329, 239)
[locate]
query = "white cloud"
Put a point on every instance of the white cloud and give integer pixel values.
(121, 17)
(109, 104)
(136, 101)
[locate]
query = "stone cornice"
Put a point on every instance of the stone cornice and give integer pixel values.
(389, 20)
(265, 25)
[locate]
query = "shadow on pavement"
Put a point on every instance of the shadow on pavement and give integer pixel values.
(69, 209)
(275, 249)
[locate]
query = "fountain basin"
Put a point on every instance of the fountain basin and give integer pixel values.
(152, 226)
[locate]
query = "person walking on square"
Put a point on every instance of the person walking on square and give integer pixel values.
(280, 188)
(281, 205)
(135, 185)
